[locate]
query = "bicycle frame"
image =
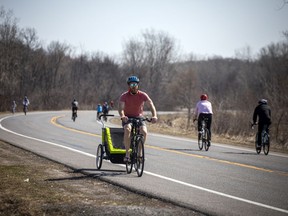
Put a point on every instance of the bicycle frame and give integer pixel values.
(25, 109)
(203, 137)
(137, 156)
(265, 140)
(74, 115)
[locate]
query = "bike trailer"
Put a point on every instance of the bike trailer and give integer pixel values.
(113, 138)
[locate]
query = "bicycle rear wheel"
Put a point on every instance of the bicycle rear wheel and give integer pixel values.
(140, 157)
(266, 144)
(206, 146)
(99, 156)
(200, 143)
(74, 116)
(129, 164)
(258, 148)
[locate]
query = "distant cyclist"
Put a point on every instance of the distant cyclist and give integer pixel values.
(74, 107)
(263, 112)
(25, 104)
(14, 105)
(111, 104)
(99, 110)
(105, 108)
(204, 110)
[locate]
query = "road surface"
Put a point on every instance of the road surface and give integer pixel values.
(226, 180)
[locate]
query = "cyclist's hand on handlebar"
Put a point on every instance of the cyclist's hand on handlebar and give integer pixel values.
(154, 119)
(253, 124)
(124, 119)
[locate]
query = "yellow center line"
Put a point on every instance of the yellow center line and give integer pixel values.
(217, 160)
(54, 122)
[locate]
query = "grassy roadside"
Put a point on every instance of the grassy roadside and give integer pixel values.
(32, 185)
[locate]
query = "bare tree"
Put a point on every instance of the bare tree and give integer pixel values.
(150, 58)
(182, 89)
(10, 60)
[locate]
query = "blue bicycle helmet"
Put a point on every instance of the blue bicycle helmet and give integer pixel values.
(132, 79)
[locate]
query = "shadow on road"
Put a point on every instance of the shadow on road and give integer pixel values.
(241, 153)
(89, 173)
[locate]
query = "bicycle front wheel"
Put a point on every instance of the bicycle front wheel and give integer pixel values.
(266, 144)
(99, 156)
(129, 164)
(140, 157)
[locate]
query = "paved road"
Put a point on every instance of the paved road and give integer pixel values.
(225, 180)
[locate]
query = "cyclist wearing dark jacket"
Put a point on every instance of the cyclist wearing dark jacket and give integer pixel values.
(74, 105)
(263, 112)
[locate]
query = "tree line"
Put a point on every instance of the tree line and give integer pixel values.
(52, 77)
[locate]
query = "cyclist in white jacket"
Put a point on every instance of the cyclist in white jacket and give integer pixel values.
(204, 110)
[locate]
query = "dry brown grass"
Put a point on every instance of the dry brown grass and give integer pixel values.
(176, 125)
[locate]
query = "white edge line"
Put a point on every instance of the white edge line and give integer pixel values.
(152, 174)
(216, 192)
(47, 142)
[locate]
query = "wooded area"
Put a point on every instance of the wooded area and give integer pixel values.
(52, 77)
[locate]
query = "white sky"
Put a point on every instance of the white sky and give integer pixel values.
(201, 27)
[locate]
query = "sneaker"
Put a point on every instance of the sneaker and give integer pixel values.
(126, 159)
(209, 143)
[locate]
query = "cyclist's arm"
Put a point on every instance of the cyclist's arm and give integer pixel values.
(255, 116)
(153, 110)
(121, 109)
(195, 114)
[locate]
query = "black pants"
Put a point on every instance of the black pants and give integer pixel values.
(203, 116)
(261, 126)
(74, 109)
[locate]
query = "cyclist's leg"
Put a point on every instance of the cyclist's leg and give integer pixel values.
(267, 128)
(127, 133)
(209, 123)
(144, 131)
(200, 118)
(260, 128)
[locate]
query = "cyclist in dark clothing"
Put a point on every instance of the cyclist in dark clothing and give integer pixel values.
(105, 108)
(74, 105)
(263, 112)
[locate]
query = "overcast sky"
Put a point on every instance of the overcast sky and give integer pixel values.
(201, 27)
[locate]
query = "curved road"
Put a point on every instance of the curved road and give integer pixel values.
(226, 180)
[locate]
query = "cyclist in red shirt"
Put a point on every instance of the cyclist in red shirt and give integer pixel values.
(131, 104)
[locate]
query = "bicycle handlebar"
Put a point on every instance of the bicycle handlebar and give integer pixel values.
(103, 115)
(252, 124)
(139, 118)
